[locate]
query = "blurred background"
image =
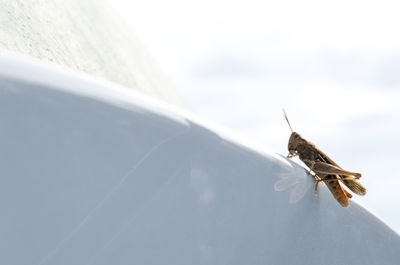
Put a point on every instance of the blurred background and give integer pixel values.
(333, 65)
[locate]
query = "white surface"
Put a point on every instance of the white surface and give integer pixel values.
(83, 35)
(88, 179)
(333, 65)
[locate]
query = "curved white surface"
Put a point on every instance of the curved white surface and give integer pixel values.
(92, 174)
(87, 36)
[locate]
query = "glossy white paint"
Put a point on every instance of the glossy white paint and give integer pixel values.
(95, 174)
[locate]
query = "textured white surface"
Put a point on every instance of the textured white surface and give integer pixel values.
(83, 35)
(89, 179)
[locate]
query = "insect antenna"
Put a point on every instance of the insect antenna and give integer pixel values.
(285, 115)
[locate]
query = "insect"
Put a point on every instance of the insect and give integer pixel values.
(324, 168)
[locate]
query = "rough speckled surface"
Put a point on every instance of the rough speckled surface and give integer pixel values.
(83, 35)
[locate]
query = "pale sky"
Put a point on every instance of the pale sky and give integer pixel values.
(333, 65)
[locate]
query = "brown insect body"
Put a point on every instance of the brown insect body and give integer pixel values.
(325, 169)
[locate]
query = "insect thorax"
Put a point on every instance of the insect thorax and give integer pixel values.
(307, 151)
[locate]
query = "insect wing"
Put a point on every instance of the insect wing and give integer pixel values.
(299, 191)
(353, 185)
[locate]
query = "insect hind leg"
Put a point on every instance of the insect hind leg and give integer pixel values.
(325, 168)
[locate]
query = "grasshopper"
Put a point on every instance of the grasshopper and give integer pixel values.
(324, 168)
